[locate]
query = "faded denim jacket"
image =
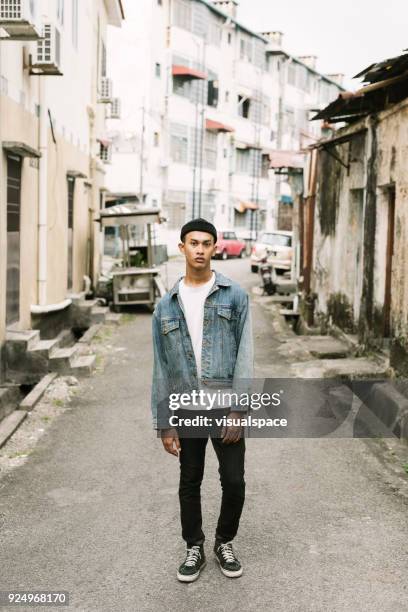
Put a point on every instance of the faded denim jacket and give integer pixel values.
(227, 349)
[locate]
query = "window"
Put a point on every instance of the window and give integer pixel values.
(175, 209)
(158, 70)
(292, 74)
(246, 49)
(227, 96)
(244, 105)
(214, 34)
(265, 165)
(212, 93)
(181, 87)
(75, 23)
(103, 59)
(179, 143)
(60, 11)
(210, 150)
(182, 14)
(242, 161)
(156, 139)
(229, 38)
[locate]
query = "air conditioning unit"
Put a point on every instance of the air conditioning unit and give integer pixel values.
(18, 19)
(106, 91)
(115, 108)
(105, 153)
(48, 56)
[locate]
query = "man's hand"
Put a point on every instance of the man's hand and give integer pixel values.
(232, 433)
(171, 441)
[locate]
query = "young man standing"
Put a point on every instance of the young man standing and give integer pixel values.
(202, 336)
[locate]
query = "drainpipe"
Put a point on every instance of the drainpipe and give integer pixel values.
(42, 195)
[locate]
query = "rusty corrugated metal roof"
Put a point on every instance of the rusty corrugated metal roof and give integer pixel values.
(388, 84)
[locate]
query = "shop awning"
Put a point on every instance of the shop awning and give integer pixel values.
(128, 214)
(241, 206)
(76, 174)
(286, 159)
(216, 126)
(105, 142)
(187, 72)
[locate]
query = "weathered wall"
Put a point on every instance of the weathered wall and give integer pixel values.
(392, 168)
(338, 232)
(351, 227)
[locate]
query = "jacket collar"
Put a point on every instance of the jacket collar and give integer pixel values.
(220, 281)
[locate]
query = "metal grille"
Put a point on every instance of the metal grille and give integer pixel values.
(10, 9)
(105, 153)
(106, 88)
(44, 49)
(115, 108)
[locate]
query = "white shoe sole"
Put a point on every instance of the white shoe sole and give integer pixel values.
(193, 577)
(228, 573)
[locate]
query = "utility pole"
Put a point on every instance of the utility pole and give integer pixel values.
(204, 93)
(141, 156)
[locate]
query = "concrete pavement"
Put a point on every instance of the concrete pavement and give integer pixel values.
(94, 510)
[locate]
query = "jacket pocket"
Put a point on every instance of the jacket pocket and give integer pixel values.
(225, 312)
(168, 325)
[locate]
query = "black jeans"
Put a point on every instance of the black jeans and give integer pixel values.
(231, 459)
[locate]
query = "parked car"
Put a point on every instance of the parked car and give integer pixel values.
(277, 247)
(228, 245)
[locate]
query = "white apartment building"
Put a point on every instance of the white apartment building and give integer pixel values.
(53, 94)
(206, 102)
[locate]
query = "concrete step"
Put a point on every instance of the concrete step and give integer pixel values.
(324, 347)
(98, 313)
(348, 369)
(45, 347)
(30, 400)
(25, 339)
(83, 365)
(90, 334)
(60, 360)
(65, 338)
(9, 425)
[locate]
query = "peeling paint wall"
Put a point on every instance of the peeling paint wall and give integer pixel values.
(338, 238)
(351, 229)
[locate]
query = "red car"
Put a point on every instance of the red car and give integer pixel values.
(228, 245)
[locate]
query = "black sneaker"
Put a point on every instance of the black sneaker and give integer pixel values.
(193, 564)
(229, 564)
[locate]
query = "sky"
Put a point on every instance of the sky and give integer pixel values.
(347, 35)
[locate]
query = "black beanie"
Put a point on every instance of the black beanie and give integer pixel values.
(198, 225)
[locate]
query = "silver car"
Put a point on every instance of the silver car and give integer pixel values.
(277, 247)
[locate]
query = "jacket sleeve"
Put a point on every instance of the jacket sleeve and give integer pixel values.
(160, 387)
(244, 365)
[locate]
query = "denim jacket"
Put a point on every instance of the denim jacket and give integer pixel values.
(227, 348)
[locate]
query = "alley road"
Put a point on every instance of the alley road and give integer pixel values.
(94, 510)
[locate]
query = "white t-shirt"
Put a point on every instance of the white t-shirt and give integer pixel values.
(193, 299)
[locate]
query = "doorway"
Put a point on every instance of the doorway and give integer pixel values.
(14, 164)
(388, 262)
(71, 193)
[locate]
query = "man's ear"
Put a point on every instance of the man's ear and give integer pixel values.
(181, 247)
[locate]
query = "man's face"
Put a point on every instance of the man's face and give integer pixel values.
(198, 248)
